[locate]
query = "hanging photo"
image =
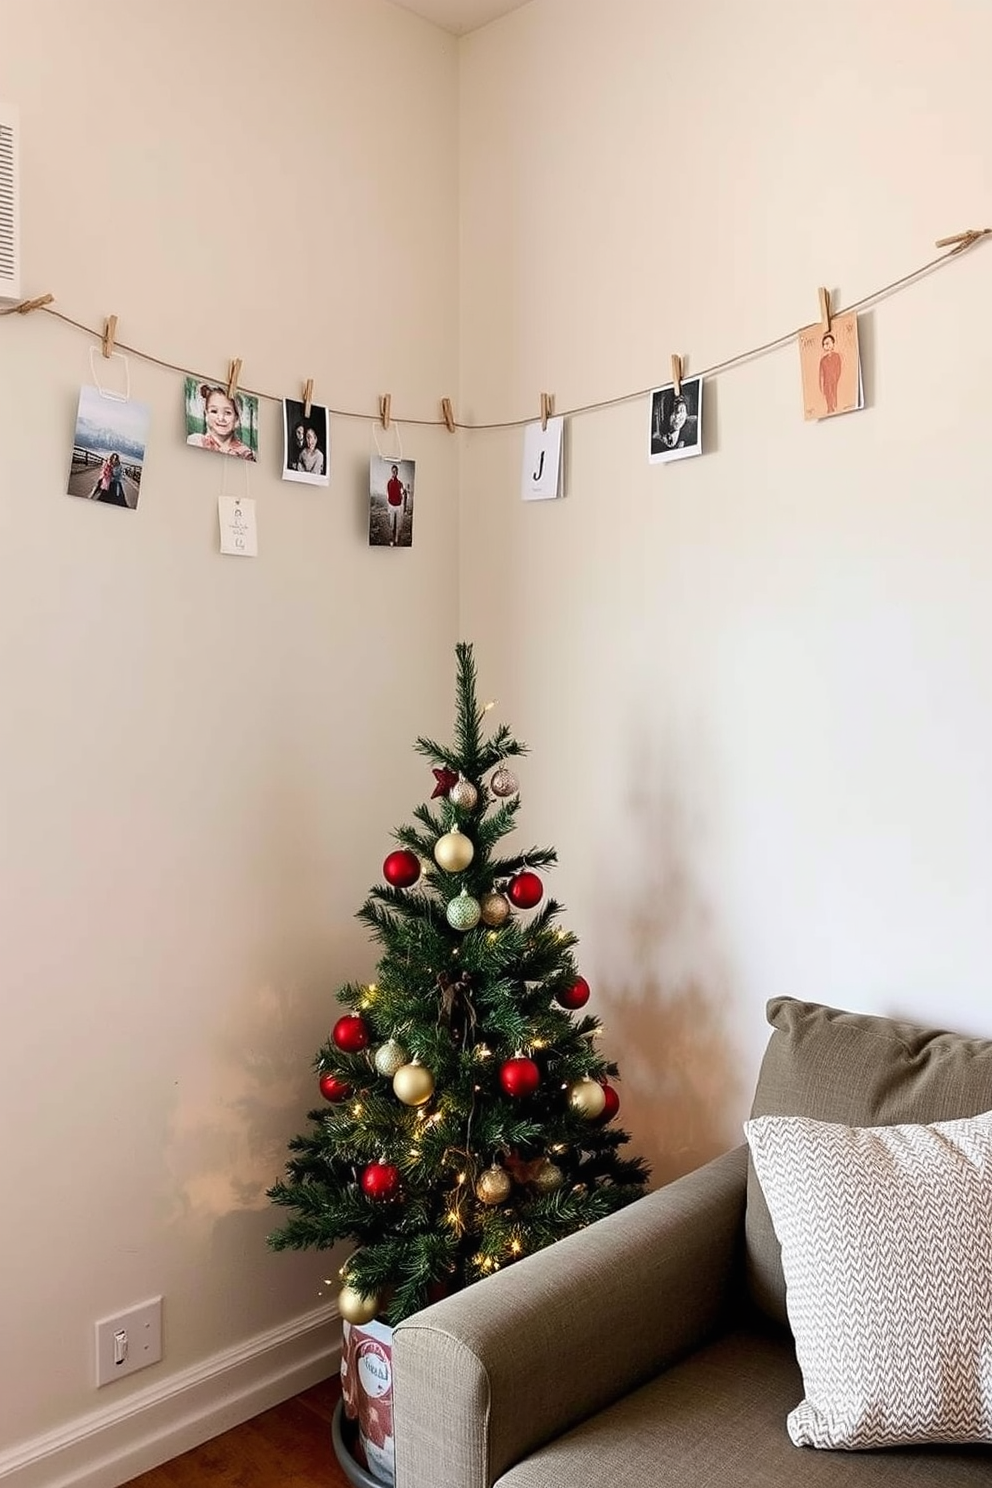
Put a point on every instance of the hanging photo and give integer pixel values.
(831, 368)
(306, 445)
(108, 451)
(217, 422)
(543, 477)
(391, 502)
(676, 421)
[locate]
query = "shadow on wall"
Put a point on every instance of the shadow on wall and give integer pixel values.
(238, 1101)
(667, 1014)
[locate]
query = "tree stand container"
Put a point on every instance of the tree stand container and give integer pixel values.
(362, 1429)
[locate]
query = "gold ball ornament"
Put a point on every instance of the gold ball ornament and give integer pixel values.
(548, 1178)
(504, 782)
(587, 1098)
(464, 795)
(454, 851)
(463, 912)
(389, 1056)
(413, 1084)
(495, 909)
(355, 1307)
(494, 1185)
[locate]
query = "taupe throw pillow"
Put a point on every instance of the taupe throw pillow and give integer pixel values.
(861, 1070)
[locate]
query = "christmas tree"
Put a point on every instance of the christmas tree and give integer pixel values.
(469, 1116)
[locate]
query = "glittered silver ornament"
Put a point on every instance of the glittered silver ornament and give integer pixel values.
(504, 782)
(389, 1056)
(495, 909)
(493, 1186)
(464, 795)
(463, 912)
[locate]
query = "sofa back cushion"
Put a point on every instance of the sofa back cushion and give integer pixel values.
(858, 1070)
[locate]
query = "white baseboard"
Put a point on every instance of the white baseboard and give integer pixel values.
(107, 1447)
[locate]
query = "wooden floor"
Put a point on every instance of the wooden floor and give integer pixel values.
(286, 1447)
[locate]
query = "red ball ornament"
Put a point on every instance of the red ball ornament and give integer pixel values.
(351, 1033)
(611, 1107)
(401, 868)
(526, 890)
(520, 1077)
(380, 1180)
(333, 1088)
(575, 996)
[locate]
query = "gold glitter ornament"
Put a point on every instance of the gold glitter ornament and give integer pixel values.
(493, 1186)
(548, 1177)
(495, 909)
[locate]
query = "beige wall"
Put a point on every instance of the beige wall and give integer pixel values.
(755, 684)
(203, 759)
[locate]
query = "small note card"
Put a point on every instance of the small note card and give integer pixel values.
(238, 533)
(542, 478)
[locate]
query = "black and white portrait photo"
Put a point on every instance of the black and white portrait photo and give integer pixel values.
(676, 421)
(306, 443)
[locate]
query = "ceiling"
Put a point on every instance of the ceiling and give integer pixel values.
(461, 16)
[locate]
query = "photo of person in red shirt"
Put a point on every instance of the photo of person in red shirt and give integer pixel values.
(391, 503)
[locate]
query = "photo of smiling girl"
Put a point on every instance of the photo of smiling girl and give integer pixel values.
(216, 422)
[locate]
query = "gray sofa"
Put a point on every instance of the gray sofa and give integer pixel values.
(652, 1349)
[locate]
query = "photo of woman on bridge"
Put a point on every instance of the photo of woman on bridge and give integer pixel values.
(108, 453)
(215, 421)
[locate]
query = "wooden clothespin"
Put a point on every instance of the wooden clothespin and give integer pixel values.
(29, 305)
(232, 378)
(385, 403)
(447, 415)
(960, 241)
(109, 335)
(677, 375)
(307, 396)
(825, 310)
(547, 408)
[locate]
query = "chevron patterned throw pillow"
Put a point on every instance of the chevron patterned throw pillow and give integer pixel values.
(886, 1236)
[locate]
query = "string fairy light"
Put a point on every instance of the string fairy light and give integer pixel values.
(954, 247)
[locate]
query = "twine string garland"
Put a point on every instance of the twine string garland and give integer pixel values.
(954, 247)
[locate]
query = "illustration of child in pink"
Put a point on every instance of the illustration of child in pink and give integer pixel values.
(830, 370)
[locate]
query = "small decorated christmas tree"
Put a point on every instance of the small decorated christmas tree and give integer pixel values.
(470, 1117)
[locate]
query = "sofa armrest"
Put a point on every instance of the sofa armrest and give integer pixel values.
(486, 1376)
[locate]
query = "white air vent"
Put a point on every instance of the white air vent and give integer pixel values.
(10, 207)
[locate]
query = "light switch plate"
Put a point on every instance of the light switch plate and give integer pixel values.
(128, 1341)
